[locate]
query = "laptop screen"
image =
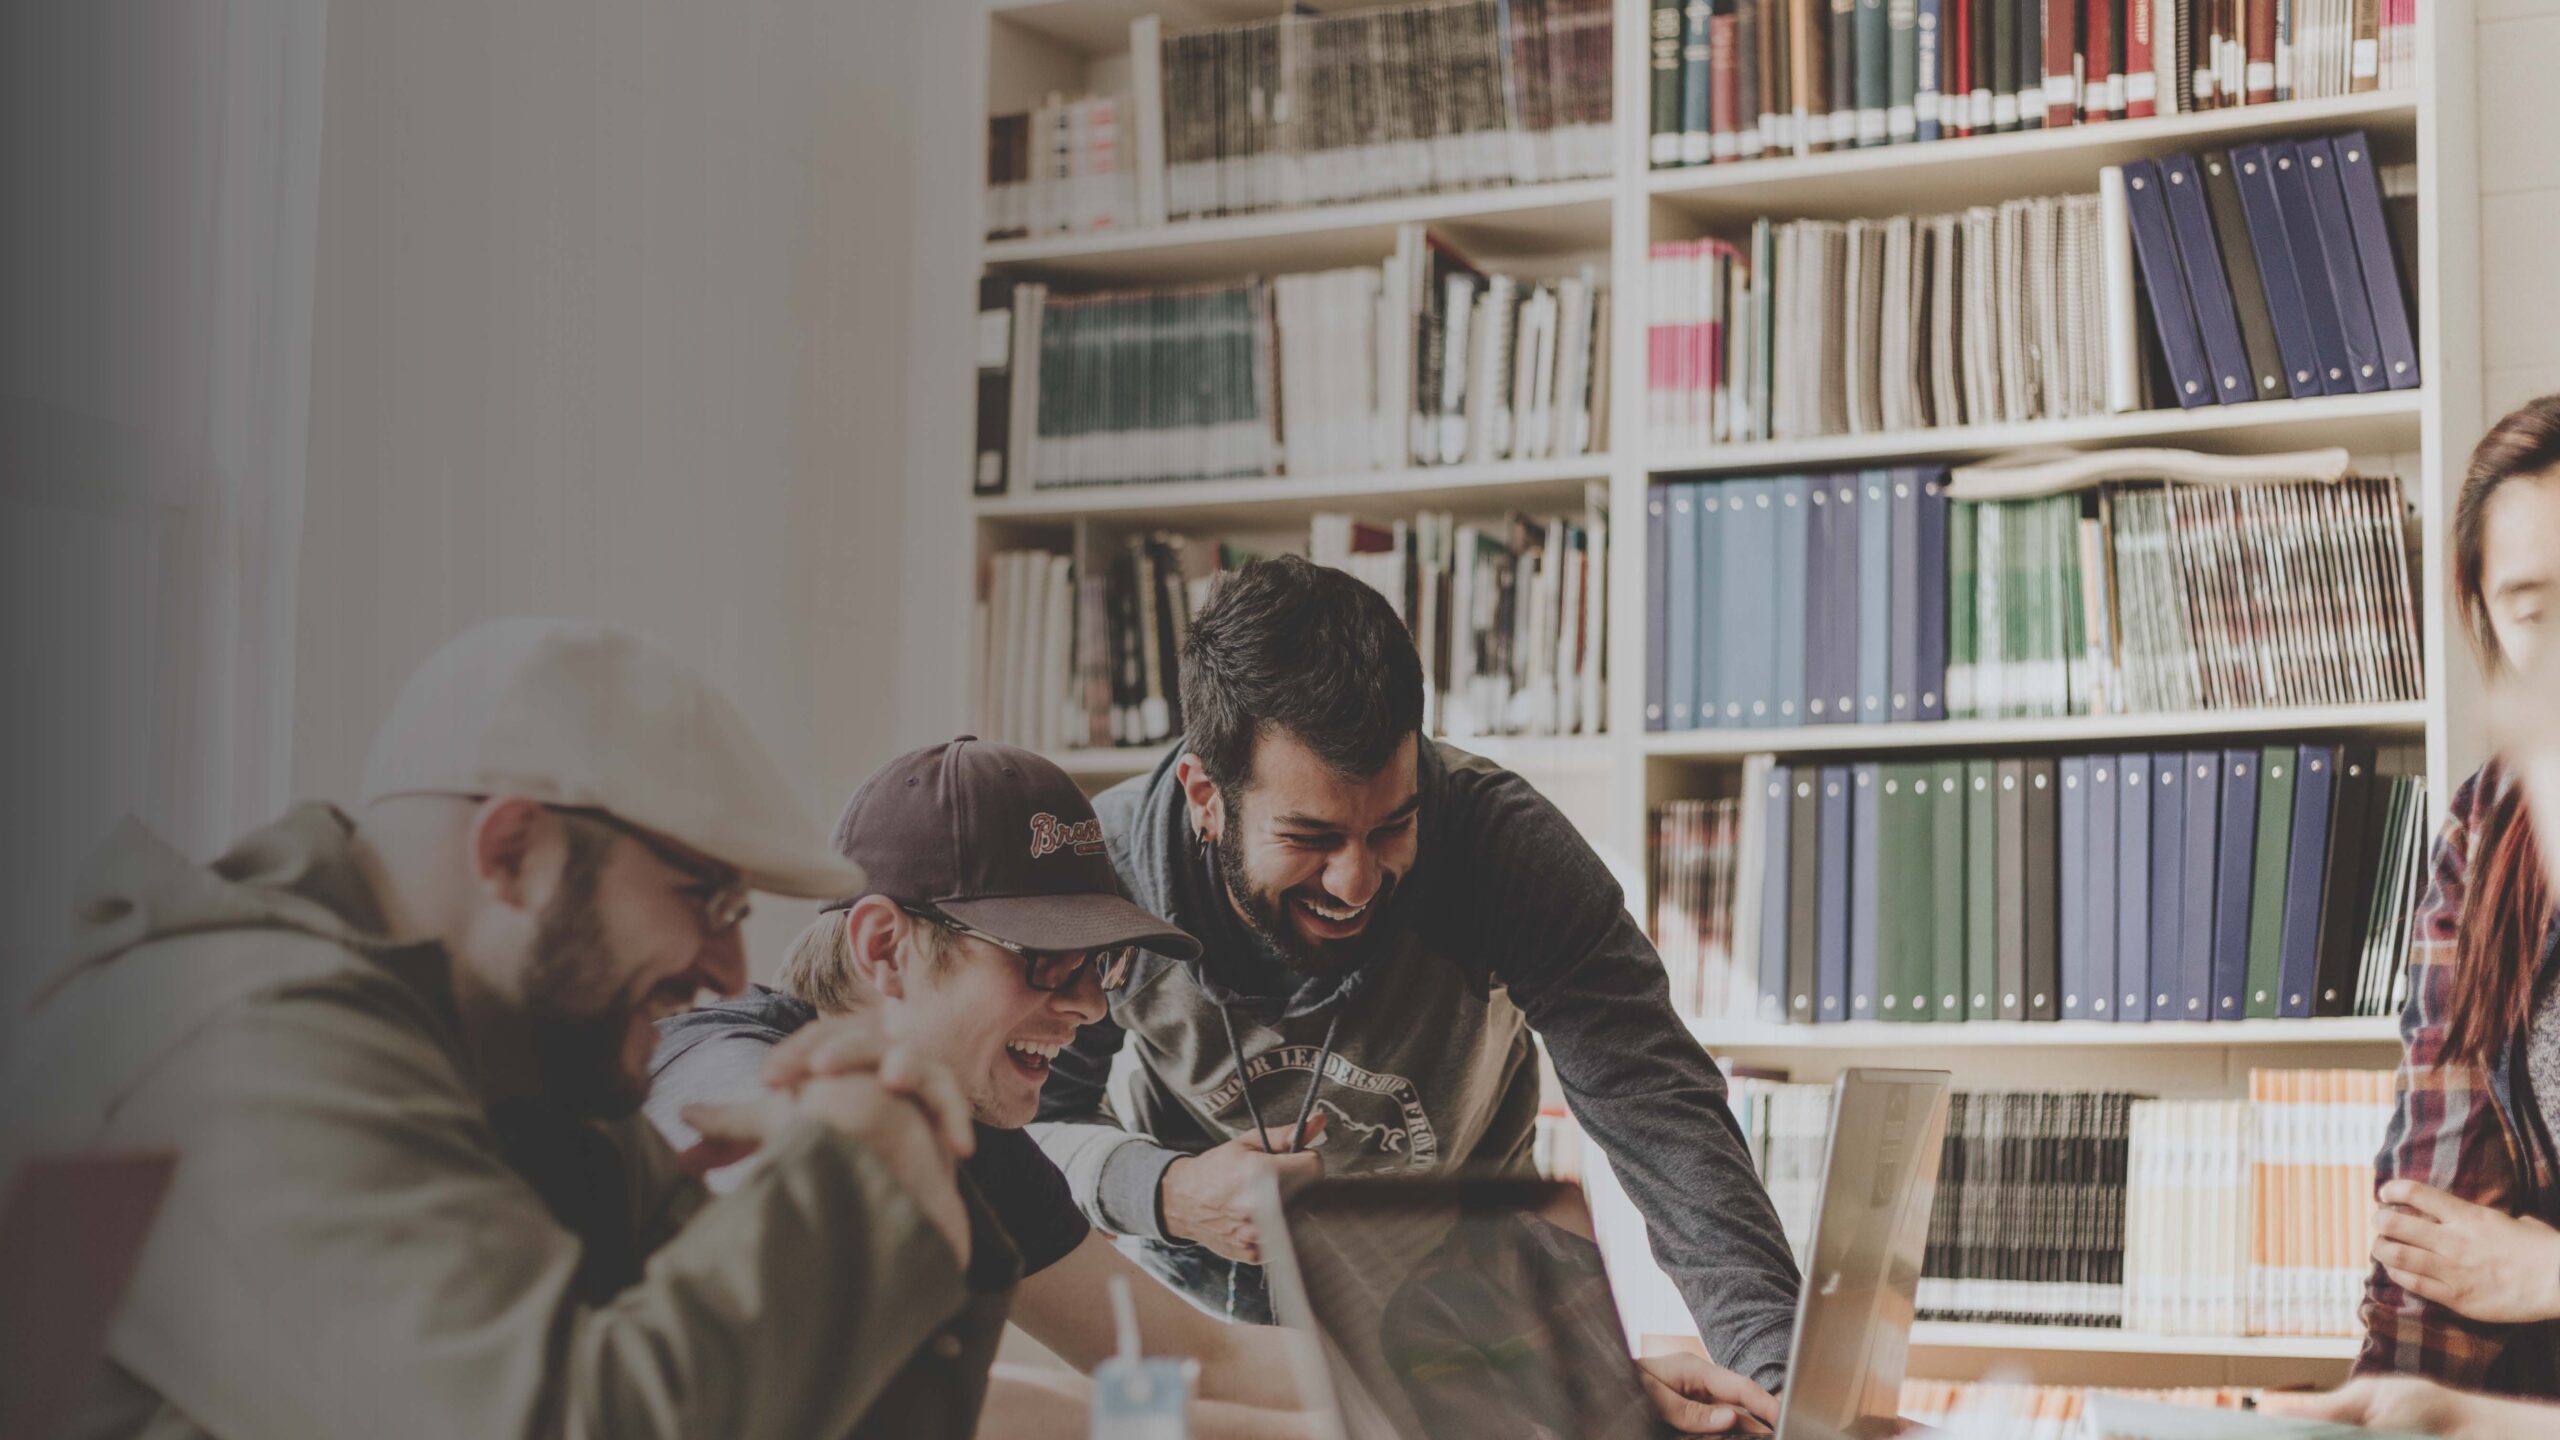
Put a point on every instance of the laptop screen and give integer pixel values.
(1458, 1310)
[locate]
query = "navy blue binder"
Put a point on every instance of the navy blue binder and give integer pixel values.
(1706, 693)
(2310, 266)
(1930, 677)
(1680, 666)
(1831, 895)
(2286, 309)
(2172, 313)
(2098, 970)
(1902, 664)
(1773, 894)
(2073, 894)
(1831, 603)
(2346, 271)
(2203, 812)
(1866, 794)
(2168, 790)
(2233, 871)
(2208, 290)
(2391, 326)
(2133, 887)
(2315, 779)
(1875, 594)
(1657, 591)
(1787, 590)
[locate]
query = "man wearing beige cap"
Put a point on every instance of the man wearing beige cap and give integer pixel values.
(399, 1056)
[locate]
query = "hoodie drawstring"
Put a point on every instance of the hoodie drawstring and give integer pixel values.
(1315, 1082)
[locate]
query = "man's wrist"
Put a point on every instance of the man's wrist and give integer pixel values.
(1129, 1189)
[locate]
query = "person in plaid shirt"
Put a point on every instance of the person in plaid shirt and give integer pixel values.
(2465, 1287)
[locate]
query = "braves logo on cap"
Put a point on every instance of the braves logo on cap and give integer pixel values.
(1048, 836)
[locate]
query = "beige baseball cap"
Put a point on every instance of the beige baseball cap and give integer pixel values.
(575, 714)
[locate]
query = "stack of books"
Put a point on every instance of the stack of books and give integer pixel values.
(1693, 858)
(1739, 79)
(1063, 168)
(2270, 883)
(2028, 1227)
(1869, 597)
(1425, 359)
(2263, 272)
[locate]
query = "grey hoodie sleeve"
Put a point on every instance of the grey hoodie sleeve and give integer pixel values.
(1117, 1174)
(1543, 905)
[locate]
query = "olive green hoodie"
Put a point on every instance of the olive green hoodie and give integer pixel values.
(357, 1243)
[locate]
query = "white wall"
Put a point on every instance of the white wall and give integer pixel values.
(612, 322)
(2519, 46)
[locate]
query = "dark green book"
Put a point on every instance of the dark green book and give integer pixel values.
(1906, 935)
(2266, 887)
(1902, 70)
(1960, 609)
(1981, 891)
(1803, 833)
(1665, 145)
(1874, 62)
(1946, 858)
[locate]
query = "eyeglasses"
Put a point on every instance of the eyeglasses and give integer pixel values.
(1048, 971)
(717, 891)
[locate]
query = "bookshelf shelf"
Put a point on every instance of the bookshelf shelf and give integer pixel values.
(1864, 1035)
(2057, 730)
(1959, 1335)
(1561, 218)
(2386, 421)
(1949, 174)
(1290, 498)
(1530, 754)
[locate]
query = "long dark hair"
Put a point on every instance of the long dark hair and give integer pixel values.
(2507, 903)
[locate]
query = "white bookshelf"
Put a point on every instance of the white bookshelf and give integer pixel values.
(1000, 54)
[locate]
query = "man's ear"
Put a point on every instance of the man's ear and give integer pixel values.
(875, 934)
(509, 840)
(1200, 794)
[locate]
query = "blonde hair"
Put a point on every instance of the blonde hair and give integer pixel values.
(820, 969)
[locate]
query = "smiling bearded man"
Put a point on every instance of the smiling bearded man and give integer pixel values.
(1383, 921)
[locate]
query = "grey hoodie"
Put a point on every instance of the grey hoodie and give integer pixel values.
(357, 1242)
(1507, 923)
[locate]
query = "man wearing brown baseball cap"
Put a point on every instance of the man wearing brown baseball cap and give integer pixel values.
(992, 926)
(399, 1053)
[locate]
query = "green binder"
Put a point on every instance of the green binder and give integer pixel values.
(1906, 936)
(1981, 897)
(2266, 887)
(1947, 862)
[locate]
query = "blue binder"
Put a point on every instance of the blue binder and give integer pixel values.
(1787, 591)
(1866, 795)
(1848, 523)
(2133, 887)
(2286, 309)
(2238, 845)
(2363, 186)
(2346, 271)
(2208, 290)
(1773, 895)
(1707, 677)
(2172, 313)
(1657, 590)
(2203, 802)
(1929, 702)
(2310, 266)
(1925, 100)
(1750, 662)
(2168, 789)
(2072, 895)
(1875, 594)
(1902, 662)
(1831, 895)
(1680, 667)
(2315, 779)
(2098, 971)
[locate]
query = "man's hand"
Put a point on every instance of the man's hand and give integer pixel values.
(1699, 1397)
(2421, 1407)
(1209, 1197)
(857, 1044)
(2475, 1261)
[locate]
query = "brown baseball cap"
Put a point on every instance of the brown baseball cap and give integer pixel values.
(1001, 840)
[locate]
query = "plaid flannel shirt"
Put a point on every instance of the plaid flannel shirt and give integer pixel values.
(2449, 1130)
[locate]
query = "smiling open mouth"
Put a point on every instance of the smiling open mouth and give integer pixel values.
(1031, 1058)
(1332, 920)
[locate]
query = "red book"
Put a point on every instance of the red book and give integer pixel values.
(1956, 45)
(1724, 72)
(2098, 49)
(2062, 74)
(2260, 86)
(2141, 80)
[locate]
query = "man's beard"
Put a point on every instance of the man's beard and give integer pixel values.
(1277, 937)
(578, 1055)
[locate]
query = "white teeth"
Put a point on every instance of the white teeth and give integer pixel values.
(1037, 1052)
(1337, 916)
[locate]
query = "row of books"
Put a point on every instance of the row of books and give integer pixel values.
(1063, 167)
(1869, 597)
(1307, 109)
(2234, 884)
(1425, 359)
(1072, 661)
(2011, 1410)
(2266, 271)
(1739, 79)
(2092, 1209)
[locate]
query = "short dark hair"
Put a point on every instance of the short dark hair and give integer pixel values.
(1305, 650)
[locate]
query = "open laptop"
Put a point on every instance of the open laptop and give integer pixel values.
(1456, 1309)
(71, 1232)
